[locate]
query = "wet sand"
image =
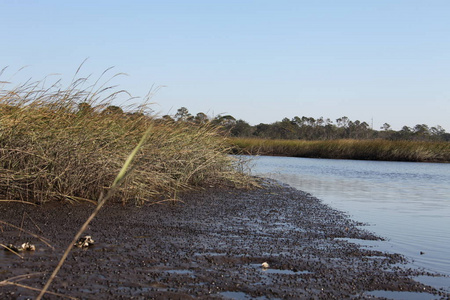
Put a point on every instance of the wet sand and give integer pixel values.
(210, 246)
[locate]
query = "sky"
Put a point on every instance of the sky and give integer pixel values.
(378, 61)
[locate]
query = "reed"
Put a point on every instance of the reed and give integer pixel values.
(65, 144)
(417, 151)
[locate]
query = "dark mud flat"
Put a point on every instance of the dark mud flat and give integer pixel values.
(211, 246)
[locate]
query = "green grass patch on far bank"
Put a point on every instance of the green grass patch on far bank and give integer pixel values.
(417, 151)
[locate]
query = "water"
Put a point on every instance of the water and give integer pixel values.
(406, 203)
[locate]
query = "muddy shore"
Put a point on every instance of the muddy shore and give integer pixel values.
(210, 246)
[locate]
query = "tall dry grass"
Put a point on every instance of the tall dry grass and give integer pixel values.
(64, 144)
(347, 149)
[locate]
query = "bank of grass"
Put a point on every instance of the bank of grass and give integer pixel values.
(52, 150)
(346, 149)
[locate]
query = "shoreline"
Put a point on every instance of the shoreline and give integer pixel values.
(209, 246)
(352, 149)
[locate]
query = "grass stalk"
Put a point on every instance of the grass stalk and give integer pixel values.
(102, 200)
(69, 144)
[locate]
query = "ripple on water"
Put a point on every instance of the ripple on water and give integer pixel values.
(280, 271)
(438, 282)
(402, 295)
(183, 272)
(240, 296)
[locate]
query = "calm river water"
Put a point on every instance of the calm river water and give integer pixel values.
(406, 203)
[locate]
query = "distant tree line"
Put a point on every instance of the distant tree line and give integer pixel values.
(308, 128)
(301, 128)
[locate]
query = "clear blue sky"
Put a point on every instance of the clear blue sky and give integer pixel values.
(259, 61)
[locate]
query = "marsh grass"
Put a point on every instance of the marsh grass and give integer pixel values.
(64, 144)
(347, 149)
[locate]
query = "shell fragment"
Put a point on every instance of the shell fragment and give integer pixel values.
(84, 242)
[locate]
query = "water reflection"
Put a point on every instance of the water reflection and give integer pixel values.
(407, 203)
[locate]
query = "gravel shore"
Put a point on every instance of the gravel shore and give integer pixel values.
(209, 246)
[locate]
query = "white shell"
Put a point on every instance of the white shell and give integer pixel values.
(28, 247)
(84, 242)
(265, 265)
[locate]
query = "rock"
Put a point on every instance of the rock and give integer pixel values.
(24, 247)
(11, 247)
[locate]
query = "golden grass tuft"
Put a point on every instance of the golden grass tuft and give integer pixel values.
(65, 144)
